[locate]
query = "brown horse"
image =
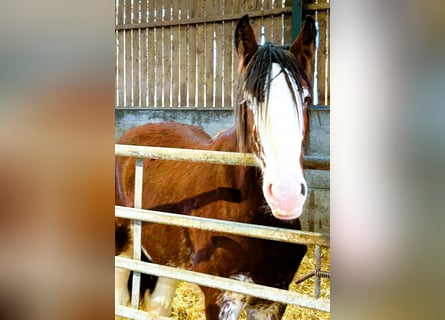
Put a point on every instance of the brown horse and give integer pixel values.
(271, 123)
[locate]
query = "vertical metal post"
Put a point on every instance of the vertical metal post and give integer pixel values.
(297, 15)
(317, 268)
(137, 232)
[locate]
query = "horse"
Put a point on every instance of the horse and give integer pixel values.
(271, 121)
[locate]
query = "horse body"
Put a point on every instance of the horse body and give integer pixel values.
(235, 193)
(207, 190)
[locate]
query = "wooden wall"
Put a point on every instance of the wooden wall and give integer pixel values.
(320, 10)
(179, 53)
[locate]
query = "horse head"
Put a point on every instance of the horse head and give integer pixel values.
(274, 91)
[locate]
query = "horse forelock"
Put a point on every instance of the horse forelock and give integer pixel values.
(255, 81)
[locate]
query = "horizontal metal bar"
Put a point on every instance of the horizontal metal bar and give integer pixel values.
(216, 157)
(243, 229)
(219, 18)
(137, 314)
(208, 156)
(206, 280)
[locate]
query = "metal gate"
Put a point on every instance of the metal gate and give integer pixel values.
(138, 215)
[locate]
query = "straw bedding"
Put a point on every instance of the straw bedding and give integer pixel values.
(189, 300)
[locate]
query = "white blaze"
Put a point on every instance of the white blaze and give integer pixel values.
(281, 136)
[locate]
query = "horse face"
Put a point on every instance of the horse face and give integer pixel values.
(279, 140)
(274, 87)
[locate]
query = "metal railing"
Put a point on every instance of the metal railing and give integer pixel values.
(137, 214)
(208, 156)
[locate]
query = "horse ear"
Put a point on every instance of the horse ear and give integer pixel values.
(303, 47)
(245, 42)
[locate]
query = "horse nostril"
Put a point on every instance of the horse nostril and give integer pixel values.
(303, 189)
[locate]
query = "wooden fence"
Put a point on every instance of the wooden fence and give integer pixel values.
(180, 54)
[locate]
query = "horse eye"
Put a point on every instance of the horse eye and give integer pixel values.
(248, 103)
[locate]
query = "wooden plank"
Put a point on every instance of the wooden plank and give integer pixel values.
(151, 58)
(159, 76)
(127, 66)
(232, 17)
(229, 68)
(143, 56)
(127, 14)
(183, 56)
(278, 36)
(277, 25)
(175, 55)
(268, 28)
(116, 75)
(321, 57)
(287, 24)
(120, 12)
(137, 68)
(123, 43)
(228, 53)
(219, 62)
(316, 6)
(128, 57)
(247, 5)
(120, 55)
(191, 58)
(191, 55)
(117, 80)
(257, 5)
(209, 58)
(166, 57)
(200, 56)
(143, 64)
(151, 11)
(143, 9)
(219, 71)
(210, 10)
(267, 5)
(328, 58)
(237, 10)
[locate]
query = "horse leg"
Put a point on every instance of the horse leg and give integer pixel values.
(160, 301)
(260, 309)
(212, 307)
(121, 294)
(123, 248)
(225, 305)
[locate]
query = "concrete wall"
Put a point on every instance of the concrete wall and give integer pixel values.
(316, 216)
